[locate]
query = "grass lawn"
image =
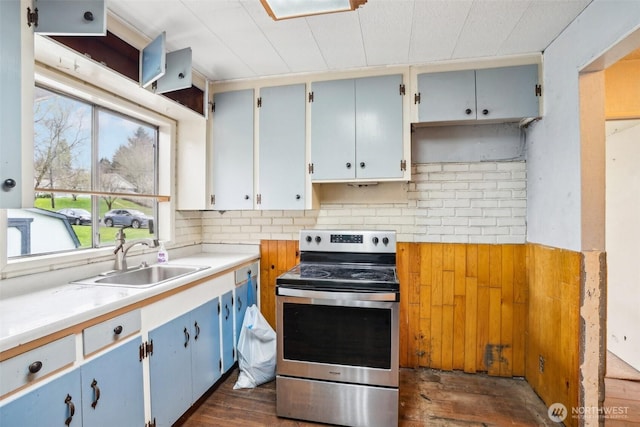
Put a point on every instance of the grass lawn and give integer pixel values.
(107, 234)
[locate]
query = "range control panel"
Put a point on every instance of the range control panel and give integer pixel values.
(373, 241)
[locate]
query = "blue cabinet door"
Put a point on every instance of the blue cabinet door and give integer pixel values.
(507, 93)
(241, 304)
(333, 130)
(226, 319)
(205, 350)
(232, 150)
(112, 393)
(379, 143)
(282, 130)
(49, 405)
(11, 82)
(170, 370)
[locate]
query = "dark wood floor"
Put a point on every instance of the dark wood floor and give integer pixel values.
(427, 398)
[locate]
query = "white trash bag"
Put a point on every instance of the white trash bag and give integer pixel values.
(256, 350)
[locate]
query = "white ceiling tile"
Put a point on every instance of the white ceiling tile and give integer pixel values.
(436, 27)
(385, 31)
(488, 24)
(540, 24)
(339, 39)
(236, 39)
(291, 38)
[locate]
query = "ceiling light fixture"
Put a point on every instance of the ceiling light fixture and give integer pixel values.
(286, 9)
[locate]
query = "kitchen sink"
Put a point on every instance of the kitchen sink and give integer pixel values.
(143, 277)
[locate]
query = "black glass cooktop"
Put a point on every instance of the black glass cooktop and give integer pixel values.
(340, 277)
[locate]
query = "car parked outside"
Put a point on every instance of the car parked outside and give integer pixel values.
(126, 217)
(76, 216)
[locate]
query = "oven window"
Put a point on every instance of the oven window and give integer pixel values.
(353, 336)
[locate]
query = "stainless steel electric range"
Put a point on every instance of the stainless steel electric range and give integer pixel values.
(337, 326)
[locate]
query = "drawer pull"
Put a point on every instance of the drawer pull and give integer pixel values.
(72, 409)
(186, 338)
(96, 393)
(226, 316)
(117, 330)
(35, 367)
(239, 303)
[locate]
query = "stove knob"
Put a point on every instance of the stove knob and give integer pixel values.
(308, 239)
(318, 239)
(385, 240)
(375, 240)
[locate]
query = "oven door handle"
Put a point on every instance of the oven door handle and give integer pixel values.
(352, 296)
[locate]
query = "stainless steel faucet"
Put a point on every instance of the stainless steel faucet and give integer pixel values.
(122, 248)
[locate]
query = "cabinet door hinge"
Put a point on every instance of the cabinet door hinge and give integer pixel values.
(212, 199)
(403, 165)
(416, 98)
(219, 308)
(234, 353)
(151, 423)
(220, 364)
(259, 102)
(32, 17)
(402, 89)
(538, 90)
(259, 198)
(310, 96)
(213, 107)
(145, 349)
(310, 168)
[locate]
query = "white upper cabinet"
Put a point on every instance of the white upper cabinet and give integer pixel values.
(232, 150)
(489, 94)
(281, 161)
(356, 129)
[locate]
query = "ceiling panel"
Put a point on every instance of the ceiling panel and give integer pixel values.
(385, 31)
(541, 23)
(488, 24)
(436, 27)
(236, 39)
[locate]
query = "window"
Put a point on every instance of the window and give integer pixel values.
(95, 171)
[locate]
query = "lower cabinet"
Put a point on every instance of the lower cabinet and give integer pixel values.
(228, 342)
(106, 391)
(241, 303)
(185, 361)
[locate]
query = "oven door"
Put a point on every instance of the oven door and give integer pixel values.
(338, 337)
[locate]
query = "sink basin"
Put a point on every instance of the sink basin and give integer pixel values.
(142, 277)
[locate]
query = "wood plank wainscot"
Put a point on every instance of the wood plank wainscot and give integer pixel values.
(510, 310)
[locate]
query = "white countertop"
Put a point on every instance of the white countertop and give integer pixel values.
(27, 317)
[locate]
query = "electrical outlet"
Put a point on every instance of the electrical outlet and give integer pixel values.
(541, 364)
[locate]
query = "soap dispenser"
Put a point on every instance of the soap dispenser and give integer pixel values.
(163, 256)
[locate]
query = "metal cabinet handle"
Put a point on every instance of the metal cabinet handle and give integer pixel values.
(362, 165)
(246, 197)
(485, 111)
(117, 330)
(96, 393)
(195, 325)
(35, 367)
(226, 316)
(468, 111)
(239, 303)
(298, 197)
(71, 408)
(348, 165)
(186, 338)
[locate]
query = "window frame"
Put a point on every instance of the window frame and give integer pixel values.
(123, 102)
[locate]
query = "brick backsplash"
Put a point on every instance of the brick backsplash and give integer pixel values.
(447, 202)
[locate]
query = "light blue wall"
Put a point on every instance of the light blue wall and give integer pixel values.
(553, 152)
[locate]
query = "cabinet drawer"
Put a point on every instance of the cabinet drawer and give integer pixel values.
(35, 364)
(242, 273)
(103, 334)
